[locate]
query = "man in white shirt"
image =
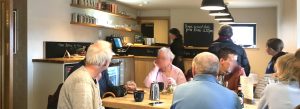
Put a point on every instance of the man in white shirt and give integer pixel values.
(81, 89)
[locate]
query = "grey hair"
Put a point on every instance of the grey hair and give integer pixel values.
(99, 53)
(206, 63)
(168, 51)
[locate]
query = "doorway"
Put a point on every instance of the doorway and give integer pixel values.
(160, 28)
(6, 69)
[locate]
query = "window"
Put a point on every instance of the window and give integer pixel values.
(244, 35)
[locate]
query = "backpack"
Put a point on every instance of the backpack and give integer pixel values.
(53, 99)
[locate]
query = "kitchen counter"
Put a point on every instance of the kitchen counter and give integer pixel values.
(76, 59)
(156, 46)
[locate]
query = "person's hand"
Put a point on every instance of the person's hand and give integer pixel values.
(130, 86)
(171, 81)
(155, 63)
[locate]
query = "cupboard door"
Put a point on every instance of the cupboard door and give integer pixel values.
(142, 67)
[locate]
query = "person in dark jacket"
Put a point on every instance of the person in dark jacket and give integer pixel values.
(106, 85)
(177, 48)
(274, 48)
(224, 41)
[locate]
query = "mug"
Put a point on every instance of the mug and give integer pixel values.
(161, 86)
(138, 95)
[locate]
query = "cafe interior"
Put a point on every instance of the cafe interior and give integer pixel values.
(150, 54)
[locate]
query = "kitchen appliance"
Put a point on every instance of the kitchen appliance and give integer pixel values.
(114, 74)
(117, 45)
(149, 41)
(154, 91)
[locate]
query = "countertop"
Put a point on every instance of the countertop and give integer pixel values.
(76, 59)
(156, 46)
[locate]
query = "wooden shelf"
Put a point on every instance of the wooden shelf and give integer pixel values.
(102, 26)
(110, 13)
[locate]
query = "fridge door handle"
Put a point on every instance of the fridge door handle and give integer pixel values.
(15, 26)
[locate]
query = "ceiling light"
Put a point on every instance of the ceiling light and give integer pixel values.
(224, 12)
(146, 2)
(212, 5)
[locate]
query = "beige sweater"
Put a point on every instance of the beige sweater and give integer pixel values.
(80, 91)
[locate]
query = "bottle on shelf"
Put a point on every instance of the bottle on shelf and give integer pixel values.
(240, 95)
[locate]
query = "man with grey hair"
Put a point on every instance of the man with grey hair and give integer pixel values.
(81, 89)
(204, 92)
(164, 71)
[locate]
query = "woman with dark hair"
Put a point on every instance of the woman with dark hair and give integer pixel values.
(177, 48)
(274, 48)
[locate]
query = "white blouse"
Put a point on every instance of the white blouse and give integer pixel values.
(282, 95)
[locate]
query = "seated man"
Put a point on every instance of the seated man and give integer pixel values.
(204, 92)
(230, 71)
(164, 70)
(106, 85)
(81, 89)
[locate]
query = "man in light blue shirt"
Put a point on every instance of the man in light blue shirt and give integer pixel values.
(204, 92)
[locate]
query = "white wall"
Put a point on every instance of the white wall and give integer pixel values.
(287, 25)
(49, 20)
(298, 23)
(266, 28)
(151, 13)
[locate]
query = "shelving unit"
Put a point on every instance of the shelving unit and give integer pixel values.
(113, 14)
(102, 26)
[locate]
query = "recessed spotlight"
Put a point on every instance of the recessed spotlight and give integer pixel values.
(146, 2)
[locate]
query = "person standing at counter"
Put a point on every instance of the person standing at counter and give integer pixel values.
(177, 48)
(224, 41)
(81, 89)
(274, 48)
(286, 93)
(164, 71)
(204, 92)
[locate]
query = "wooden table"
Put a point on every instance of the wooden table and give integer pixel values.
(128, 102)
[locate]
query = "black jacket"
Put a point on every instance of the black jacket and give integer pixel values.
(177, 49)
(270, 69)
(242, 56)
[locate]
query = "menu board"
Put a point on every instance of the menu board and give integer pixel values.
(58, 49)
(198, 34)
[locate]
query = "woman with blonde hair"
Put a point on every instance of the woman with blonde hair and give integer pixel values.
(286, 93)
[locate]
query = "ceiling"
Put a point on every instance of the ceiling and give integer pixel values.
(171, 4)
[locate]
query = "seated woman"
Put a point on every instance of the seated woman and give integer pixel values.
(164, 71)
(286, 93)
(274, 48)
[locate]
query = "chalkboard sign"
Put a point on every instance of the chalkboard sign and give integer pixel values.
(57, 49)
(198, 34)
